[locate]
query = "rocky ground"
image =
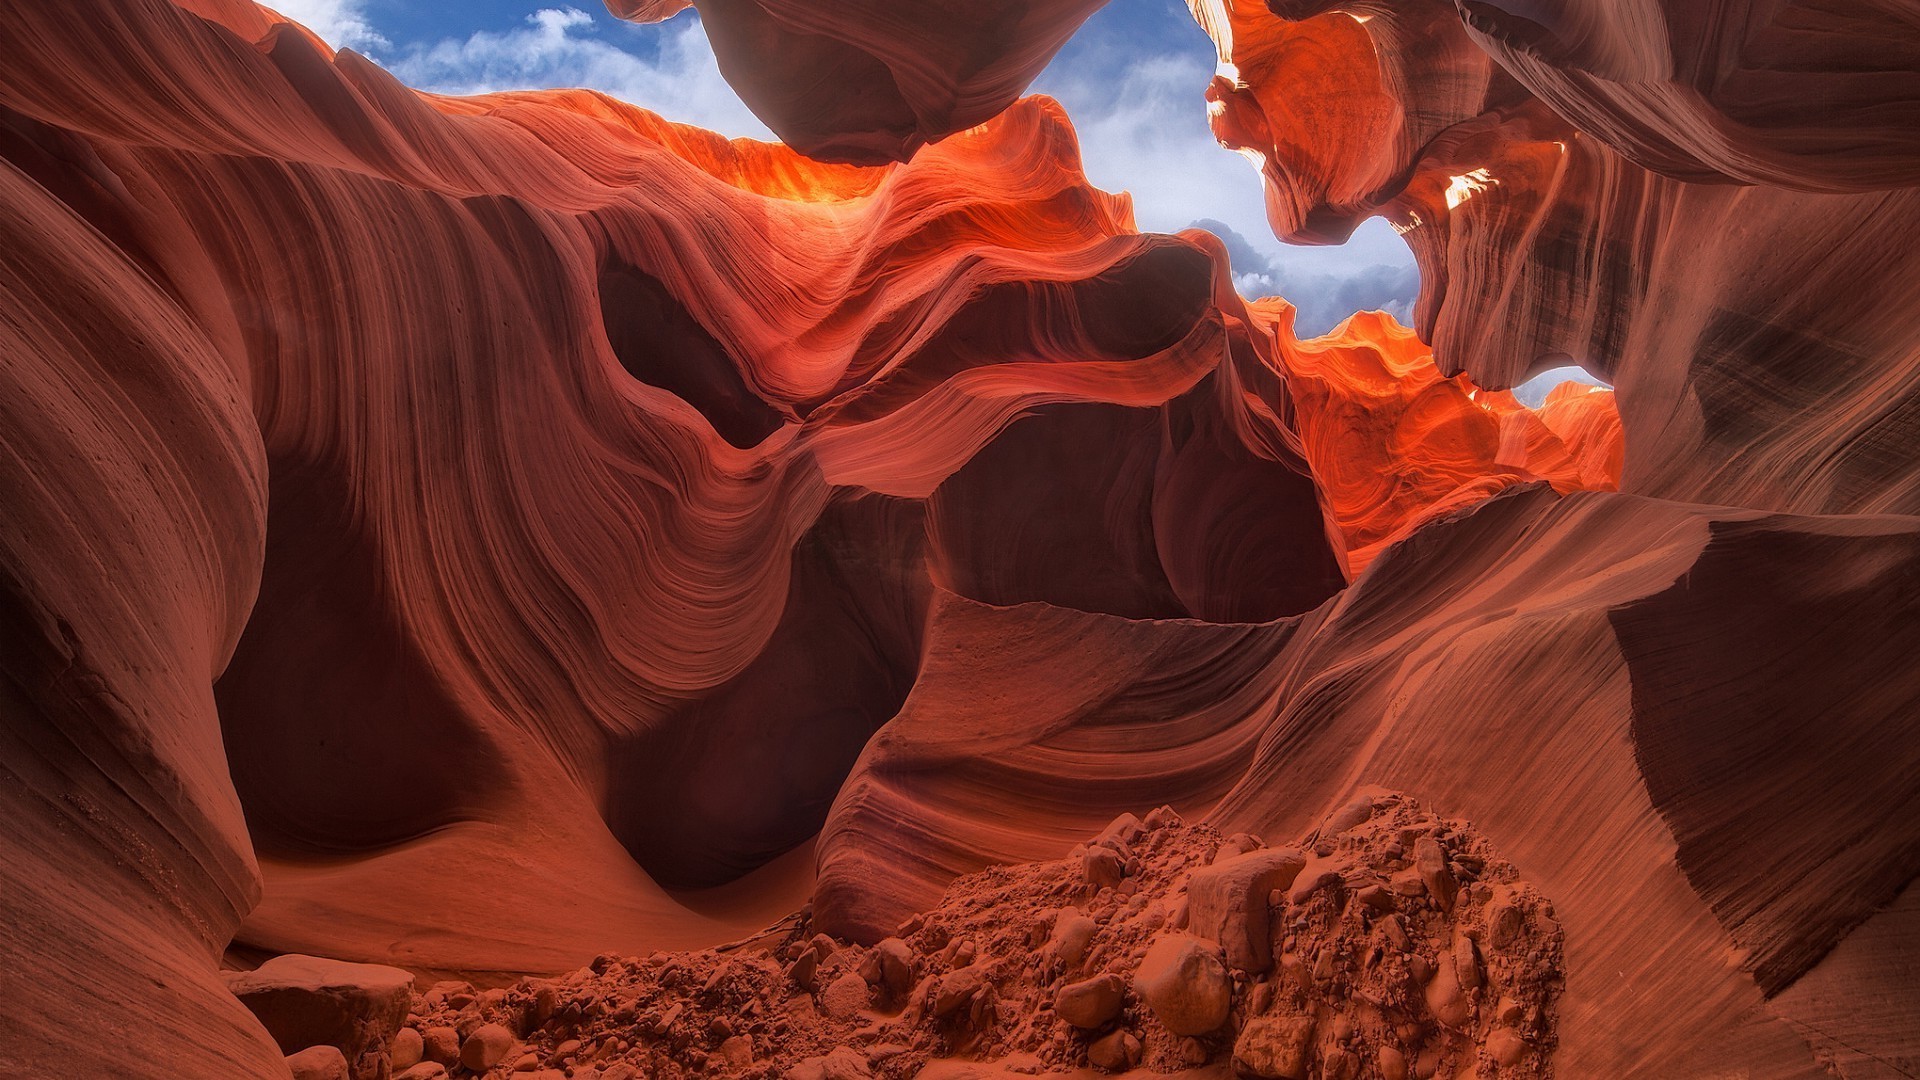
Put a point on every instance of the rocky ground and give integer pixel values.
(1389, 944)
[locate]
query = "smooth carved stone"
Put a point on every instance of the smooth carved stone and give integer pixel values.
(1227, 903)
(1185, 984)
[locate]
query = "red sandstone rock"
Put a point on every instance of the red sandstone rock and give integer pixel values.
(1227, 903)
(868, 81)
(523, 528)
(304, 1001)
(1185, 985)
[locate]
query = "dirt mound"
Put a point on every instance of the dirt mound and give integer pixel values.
(1391, 943)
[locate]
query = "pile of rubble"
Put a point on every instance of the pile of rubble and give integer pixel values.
(1389, 944)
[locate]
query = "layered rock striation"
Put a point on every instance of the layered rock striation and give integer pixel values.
(474, 535)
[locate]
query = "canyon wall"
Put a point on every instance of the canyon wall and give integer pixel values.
(480, 534)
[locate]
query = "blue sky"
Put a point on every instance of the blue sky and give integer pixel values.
(1132, 80)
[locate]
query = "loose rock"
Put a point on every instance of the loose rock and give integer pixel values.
(1092, 1003)
(1185, 985)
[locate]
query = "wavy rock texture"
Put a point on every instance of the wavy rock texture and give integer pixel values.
(1816, 96)
(1393, 444)
(872, 81)
(1762, 339)
(1542, 663)
(563, 447)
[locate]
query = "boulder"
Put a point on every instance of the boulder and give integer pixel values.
(1185, 984)
(306, 1001)
(1227, 903)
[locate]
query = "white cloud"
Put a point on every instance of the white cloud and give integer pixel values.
(1533, 393)
(560, 47)
(340, 23)
(1143, 128)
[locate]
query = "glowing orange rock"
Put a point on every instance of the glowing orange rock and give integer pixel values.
(1759, 338)
(1393, 443)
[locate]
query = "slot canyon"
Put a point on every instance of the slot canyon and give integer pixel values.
(513, 584)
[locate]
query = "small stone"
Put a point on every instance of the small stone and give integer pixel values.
(737, 1051)
(441, 1044)
(1123, 830)
(1339, 1064)
(1315, 875)
(1104, 868)
(540, 1009)
(1446, 1000)
(1506, 1046)
(318, 1063)
(844, 997)
(1227, 903)
(528, 1063)
(1354, 813)
(406, 1050)
(1072, 932)
(425, 1070)
(486, 1047)
(805, 970)
(1116, 1052)
(957, 989)
(843, 1063)
(1237, 845)
(1185, 985)
(1396, 933)
(1393, 1064)
(1163, 817)
(1506, 925)
(889, 966)
(1376, 897)
(1092, 1003)
(1275, 1047)
(1466, 961)
(1430, 859)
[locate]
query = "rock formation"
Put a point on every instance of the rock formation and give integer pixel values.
(480, 535)
(870, 81)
